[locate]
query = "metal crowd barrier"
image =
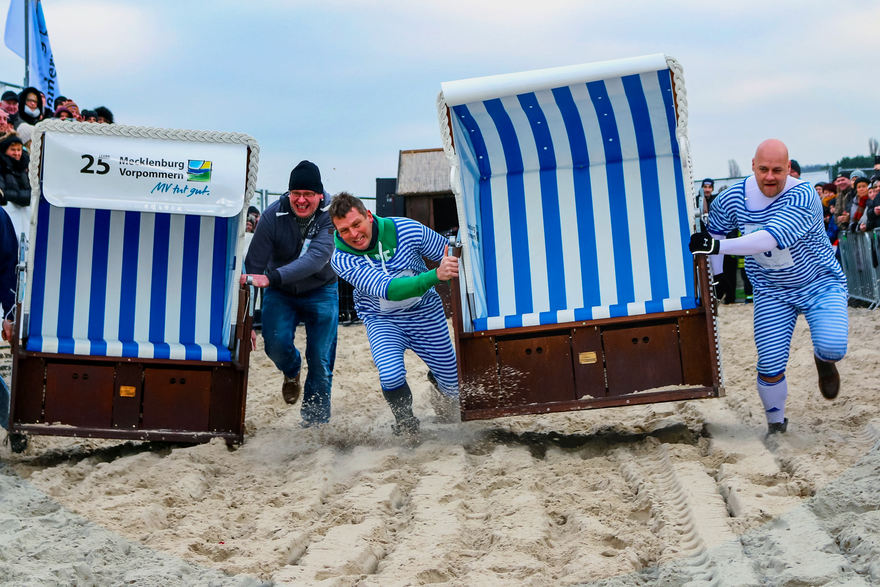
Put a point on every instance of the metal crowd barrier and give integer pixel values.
(859, 256)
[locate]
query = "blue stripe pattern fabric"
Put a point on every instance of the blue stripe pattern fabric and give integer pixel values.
(426, 333)
(825, 311)
(804, 257)
(370, 276)
(130, 284)
(578, 203)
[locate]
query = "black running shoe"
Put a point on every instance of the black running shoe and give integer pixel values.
(17, 442)
(777, 427)
(829, 378)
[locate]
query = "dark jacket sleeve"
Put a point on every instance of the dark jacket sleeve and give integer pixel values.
(313, 261)
(260, 249)
(869, 213)
(8, 261)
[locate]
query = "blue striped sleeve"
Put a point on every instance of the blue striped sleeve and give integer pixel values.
(433, 243)
(360, 273)
(722, 217)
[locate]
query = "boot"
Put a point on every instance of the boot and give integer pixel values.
(777, 427)
(291, 389)
(445, 406)
(829, 378)
(400, 401)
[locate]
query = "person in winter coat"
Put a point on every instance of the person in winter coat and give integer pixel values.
(30, 107)
(15, 188)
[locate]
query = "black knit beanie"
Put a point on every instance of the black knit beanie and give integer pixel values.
(306, 176)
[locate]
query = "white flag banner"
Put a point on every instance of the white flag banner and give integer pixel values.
(42, 73)
(147, 175)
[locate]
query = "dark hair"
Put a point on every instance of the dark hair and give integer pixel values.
(342, 203)
(253, 210)
(863, 180)
(104, 112)
(830, 187)
(795, 166)
(9, 141)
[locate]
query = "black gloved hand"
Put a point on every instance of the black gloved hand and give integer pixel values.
(702, 243)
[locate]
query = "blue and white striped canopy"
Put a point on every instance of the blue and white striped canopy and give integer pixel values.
(131, 284)
(573, 196)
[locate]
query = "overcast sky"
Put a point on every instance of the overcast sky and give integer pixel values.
(348, 83)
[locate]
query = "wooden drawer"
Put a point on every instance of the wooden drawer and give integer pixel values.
(79, 395)
(176, 399)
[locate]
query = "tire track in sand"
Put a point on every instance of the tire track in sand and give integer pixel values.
(688, 515)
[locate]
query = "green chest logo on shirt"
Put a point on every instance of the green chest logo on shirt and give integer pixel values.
(383, 254)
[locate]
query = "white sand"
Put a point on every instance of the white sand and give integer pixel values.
(668, 493)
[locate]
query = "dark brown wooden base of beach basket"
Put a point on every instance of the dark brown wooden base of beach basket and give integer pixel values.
(661, 357)
(131, 398)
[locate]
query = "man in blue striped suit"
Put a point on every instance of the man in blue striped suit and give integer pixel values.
(394, 296)
(792, 267)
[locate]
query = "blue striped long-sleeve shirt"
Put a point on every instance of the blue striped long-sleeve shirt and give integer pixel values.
(370, 274)
(804, 257)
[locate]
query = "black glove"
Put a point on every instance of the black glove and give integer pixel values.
(702, 243)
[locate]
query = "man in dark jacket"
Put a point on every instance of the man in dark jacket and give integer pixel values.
(8, 260)
(290, 257)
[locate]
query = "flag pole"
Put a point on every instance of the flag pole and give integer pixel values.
(27, 44)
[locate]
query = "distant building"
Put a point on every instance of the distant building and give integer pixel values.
(422, 193)
(388, 203)
(423, 185)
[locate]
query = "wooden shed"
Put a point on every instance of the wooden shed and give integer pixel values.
(423, 183)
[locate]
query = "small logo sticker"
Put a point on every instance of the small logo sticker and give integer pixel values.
(197, 170)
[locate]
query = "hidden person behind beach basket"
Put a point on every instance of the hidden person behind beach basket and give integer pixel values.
(575, 197)
(130, 321)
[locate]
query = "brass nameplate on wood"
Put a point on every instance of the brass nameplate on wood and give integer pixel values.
(127, 391)
(587, 358)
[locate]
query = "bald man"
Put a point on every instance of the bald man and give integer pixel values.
(792, 267)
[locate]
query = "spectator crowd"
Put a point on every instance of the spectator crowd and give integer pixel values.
(19, 113)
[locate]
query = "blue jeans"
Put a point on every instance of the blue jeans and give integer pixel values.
(319, 311)
(4, 404)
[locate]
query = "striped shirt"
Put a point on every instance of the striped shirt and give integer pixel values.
(804, 256)
(371, 274)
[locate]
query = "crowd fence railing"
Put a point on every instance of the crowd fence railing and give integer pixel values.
(859, 256)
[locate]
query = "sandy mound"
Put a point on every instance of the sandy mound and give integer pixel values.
(688, 491)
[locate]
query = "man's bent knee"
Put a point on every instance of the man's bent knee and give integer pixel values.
(771, 378)
(830, 354)
(392, 382)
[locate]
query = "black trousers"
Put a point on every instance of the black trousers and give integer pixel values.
(347, 312)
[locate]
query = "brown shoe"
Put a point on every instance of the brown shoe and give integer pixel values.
(829, 378)
(291, 389)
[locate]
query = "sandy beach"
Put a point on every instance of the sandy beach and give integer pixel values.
(668, 493)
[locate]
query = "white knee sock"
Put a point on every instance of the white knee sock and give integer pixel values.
(773, 397)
